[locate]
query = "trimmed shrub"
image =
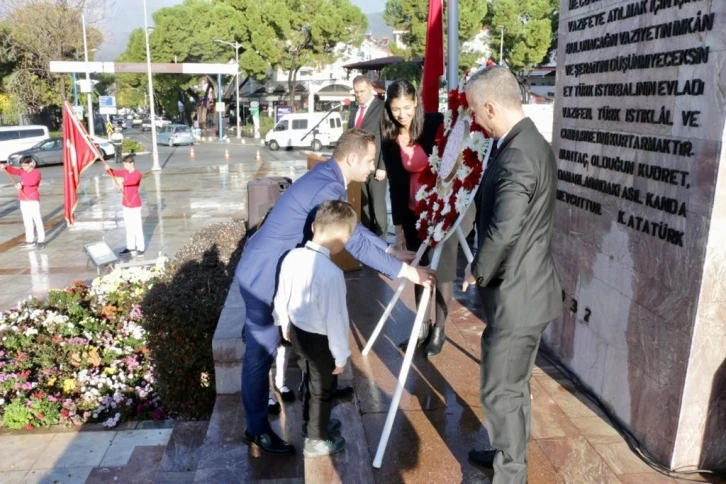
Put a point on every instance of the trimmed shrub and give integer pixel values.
(131, 145)
(180, 316)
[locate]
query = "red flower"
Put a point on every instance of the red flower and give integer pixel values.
(28, 426)
(41, 416)
(22, 356)
(64, 413)
(39, 394)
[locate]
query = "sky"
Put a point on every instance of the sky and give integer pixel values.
(123, 16)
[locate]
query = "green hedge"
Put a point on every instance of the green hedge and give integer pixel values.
(180, 316)
(131, 145)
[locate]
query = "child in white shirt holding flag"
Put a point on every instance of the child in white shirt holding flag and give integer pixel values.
(311, 309)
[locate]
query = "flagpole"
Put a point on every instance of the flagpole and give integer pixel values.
(452, 70)
(15, 184)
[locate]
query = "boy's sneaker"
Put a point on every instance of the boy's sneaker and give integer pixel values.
(125, 252)
(40, 245)
(333, 427)
(140, 253)
(28, 245)
(286, 394)
(133, 254)
(319, 448)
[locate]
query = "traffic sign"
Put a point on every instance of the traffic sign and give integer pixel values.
(254, 104)
(107, 104)
(78, 111)
(219, 107)
(109, 128)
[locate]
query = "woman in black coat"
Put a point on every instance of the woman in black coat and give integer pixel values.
(407, 140)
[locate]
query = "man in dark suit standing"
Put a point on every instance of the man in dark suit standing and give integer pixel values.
(366, 114)
(513, 268)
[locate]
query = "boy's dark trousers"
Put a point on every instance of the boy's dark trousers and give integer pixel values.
(317, 364)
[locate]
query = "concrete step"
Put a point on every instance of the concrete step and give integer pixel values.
(181, 458)
(225, 457)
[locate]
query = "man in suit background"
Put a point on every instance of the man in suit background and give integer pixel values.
(289, 225)
(366, 114)
(513, 268)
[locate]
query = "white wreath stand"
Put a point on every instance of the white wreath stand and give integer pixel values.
(420, 314)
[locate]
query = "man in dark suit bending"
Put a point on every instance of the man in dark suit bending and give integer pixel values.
(513, 268)
(366, 114)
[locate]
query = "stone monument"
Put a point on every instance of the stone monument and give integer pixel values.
(640, 228)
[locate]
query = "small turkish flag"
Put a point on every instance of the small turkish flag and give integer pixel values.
(78, 154)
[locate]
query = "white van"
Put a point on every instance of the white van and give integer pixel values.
(19, 138)
(296, 130)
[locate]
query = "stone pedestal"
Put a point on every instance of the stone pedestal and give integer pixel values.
(640, 229)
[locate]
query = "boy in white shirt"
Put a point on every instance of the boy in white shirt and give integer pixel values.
(311, 309)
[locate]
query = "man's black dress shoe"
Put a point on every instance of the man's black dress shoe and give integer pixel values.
(484, 458)
(342, 392)
(270, 443)
(436, 343)
(423, 336)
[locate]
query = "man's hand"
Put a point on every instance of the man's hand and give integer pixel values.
(469, 279)
(338, 370)
(400, 242)
(422, 276)
(380, 175)
(3, 165)
(404, 255)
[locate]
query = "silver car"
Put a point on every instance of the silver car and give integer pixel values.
(175, 134)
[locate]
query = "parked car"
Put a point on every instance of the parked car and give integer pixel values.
(160, 121)
(19, 138)
(136, 122)
(175, 134)
(296, 130)
(105, 146)
(46, 152)
(50, 151)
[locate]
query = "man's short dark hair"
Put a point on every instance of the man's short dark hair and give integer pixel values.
(353, 141)
(335, 214)
(128, 159)
(362, 79)
(495, 84)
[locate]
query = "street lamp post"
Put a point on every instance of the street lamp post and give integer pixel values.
(91, 126)
(501, 46)
(154, 152)
(236, 46)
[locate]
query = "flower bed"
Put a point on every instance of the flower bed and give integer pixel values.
(80, 355)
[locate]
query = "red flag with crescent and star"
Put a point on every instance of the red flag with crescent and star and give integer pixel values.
(434, 57)
(78, 154)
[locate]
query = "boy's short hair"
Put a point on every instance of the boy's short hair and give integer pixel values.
(128, 159)
(27, 159)
(336, 213)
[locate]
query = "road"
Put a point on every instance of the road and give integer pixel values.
(206, 154)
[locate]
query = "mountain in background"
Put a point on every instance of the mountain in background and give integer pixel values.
(377, 26)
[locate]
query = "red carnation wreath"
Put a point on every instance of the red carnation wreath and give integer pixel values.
(454, 172)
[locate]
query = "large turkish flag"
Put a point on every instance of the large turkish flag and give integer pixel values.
(78, 154)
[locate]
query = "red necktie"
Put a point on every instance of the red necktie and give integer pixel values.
(361, 114)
